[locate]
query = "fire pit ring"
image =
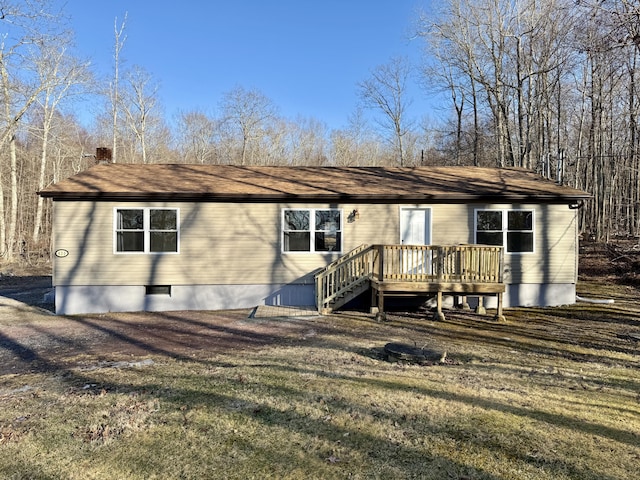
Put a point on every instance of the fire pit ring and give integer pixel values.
(413, 354)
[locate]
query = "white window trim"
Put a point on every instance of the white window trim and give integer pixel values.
(312, 216)
(505, 225)
(146, 223)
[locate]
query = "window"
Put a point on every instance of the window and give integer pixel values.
(146, 230)
(512, 229)
(312, 230)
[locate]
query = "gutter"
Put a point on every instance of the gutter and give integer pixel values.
(319, 197)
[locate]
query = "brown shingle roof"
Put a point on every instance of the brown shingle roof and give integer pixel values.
(235, 183)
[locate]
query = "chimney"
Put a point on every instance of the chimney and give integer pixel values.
(103, 155)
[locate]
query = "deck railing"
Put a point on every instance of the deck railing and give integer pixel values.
(407, 263)
(440, 263)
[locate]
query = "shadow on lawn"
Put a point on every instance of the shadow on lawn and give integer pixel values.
(186, 338)
(56, 343)
(555, 332)
(399, 421)
(342, 440)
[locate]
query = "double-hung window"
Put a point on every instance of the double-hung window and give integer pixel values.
(312, 230)
(146, 230)
(512, 229)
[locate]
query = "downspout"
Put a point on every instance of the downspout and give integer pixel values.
(606, 301)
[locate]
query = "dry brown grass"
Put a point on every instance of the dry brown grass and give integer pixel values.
(551, 394)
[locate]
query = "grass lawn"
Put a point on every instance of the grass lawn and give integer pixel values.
(554, 393)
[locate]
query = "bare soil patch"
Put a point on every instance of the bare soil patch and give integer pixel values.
(33, 339)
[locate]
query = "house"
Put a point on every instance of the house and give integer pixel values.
(173, 236)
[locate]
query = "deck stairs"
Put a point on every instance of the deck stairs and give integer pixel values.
(344, 279)
(391, 270)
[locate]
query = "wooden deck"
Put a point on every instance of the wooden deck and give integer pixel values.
(401, 270)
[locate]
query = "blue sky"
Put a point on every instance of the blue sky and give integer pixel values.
(306, 56)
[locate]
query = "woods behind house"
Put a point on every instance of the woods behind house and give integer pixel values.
(545, 86)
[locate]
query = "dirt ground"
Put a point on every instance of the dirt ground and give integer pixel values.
(32, 339)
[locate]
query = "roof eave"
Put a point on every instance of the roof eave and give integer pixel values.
(342, 198)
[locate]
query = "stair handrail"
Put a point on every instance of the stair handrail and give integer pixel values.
(344, 258)
(341, 275)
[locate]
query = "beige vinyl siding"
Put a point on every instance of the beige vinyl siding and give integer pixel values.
(220, 243)
(451, 224)
(240, 243)
(554, 258)
(377, 224)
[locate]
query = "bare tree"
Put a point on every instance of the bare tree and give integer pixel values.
(247, 113)
(356, 145)
(448, 72)
(62, 76)
(114, 89)
(620, 31)
(308, 142)
(386, 91)
(507, 57)
(28, 27)
(556, 84)
(196, 132)
(139, 102)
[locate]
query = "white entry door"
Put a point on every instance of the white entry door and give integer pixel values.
(415, 229)
(415, 226)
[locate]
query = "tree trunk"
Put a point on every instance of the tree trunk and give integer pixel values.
(13, 207)
(37, 224)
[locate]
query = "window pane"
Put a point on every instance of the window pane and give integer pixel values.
(163, 242)
(163, 220)
(297, 242)
(520, 220)
(488, 220)
(489, 238)
(130, 241)
(520, 242)
(296, 220)
(328, 242)
(130, 220)
(328, 220)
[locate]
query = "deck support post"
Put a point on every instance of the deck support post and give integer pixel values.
(439, 315)
(377, 305)
(499, 316)
(374, 301)
(380, 301)
(480, 310)
(377, 301)
(462, 303)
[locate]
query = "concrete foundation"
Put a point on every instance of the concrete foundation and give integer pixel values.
(71, 300)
